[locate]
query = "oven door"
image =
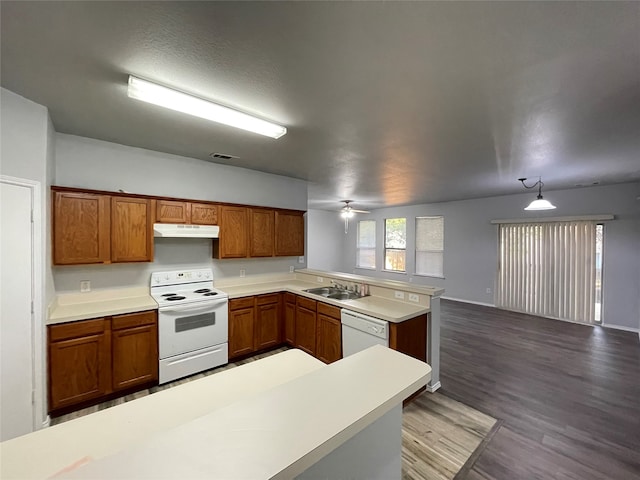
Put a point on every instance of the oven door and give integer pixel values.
(186, 328)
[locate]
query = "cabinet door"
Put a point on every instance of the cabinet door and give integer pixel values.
(233, 233)
(329, 339)
(131, 230)
(204, 214)
(134, 347)
(172, 212)
(290, 323)
(79, 367)
(241, 332)
(267, 326)
(81, 228)
(306, 330)
(261, 227)
(289, 228)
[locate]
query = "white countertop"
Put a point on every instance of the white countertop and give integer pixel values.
(69, 307)
(277, 433)
(46, 452)
(378, 307)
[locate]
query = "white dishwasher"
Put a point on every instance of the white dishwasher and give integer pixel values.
(361, 331)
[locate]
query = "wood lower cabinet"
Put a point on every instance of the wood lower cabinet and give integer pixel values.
(79, 362)
(261, 232)
(329, 333)
(289, 236)
(81, 228)
(91, 359)
(268, 323)
(241, 326)
(290, 319)
(131, 230)
(134, 346)
(306, 325)
(234, 232)
(410, 337)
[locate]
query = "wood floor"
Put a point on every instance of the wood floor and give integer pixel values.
(568, 395)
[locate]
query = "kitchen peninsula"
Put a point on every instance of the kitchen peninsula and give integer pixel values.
(285, 416)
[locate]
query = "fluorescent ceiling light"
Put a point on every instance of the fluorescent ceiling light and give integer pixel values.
(182, 102)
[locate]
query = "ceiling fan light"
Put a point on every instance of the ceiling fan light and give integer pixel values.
(182, 102)
(540, 204)
(346, 214)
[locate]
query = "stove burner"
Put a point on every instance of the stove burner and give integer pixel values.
(175, 297)
(203, 290)
(168, 294)
(209, 294)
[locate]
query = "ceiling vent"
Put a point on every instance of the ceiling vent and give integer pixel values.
(222, 156)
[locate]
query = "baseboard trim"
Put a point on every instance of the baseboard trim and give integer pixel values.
(434, 387)
(620, 327)
(469, 301)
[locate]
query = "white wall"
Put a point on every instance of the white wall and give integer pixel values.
(27, 151)
(325, 240)
(93, 164)
(471, 245)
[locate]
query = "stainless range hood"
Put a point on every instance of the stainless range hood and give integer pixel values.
(170, 230)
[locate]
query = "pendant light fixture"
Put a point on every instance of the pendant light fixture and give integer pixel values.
(539, 203)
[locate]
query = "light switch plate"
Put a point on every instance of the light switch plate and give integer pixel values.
(399, 295)
(413, 297)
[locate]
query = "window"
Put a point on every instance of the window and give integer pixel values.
(366, 244)
(430, 246)
(551, 269)
(395, 244)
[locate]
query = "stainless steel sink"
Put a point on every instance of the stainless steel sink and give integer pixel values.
(333, 293)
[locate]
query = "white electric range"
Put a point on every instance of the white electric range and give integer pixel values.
(193, 322)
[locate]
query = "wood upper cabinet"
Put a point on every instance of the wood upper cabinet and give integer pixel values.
(241, 326)
(261, 232)
(233, 233)
(329, 334)
(171, 211)
(289, 228)
(79, 362)
(168, 211)
(131, 230)
(134, 343)
(81, 228)
(290, 318)
(268, 323)
(204, 214)
(306, 325)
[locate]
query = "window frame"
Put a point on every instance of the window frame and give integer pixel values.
(415, 266)
(359, 248)
(384, 258)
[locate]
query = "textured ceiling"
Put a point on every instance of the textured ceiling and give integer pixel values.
(387, 103)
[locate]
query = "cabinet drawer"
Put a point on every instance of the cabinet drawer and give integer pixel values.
(268, 299)
(329, 310)
(289, 298)
(238, 303)
(307, 303)
(134, 320)
(82, 328)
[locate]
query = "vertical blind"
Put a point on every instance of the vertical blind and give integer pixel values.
(548, 269)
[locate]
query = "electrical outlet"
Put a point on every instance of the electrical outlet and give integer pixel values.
(414, 297)
(320, 279)
(242, 272)
(488, 290)
(85, 286)
(290, 268)
(399, 295)
(301, 259)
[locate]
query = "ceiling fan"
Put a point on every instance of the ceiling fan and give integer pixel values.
(348, 212)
